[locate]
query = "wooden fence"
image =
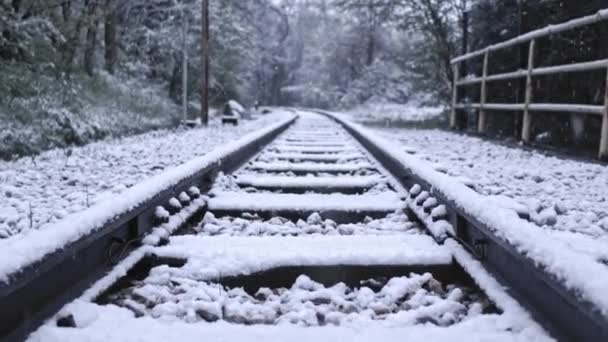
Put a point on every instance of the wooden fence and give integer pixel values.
(529, 106)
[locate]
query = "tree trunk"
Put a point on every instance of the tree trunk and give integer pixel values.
(73, 43)
(16, 5)
(91, 44)
(371, 47)
(110, 37)
(174, 82)
(66, 11)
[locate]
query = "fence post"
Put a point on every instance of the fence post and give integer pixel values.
(481, 120)
(527, 123)
(454, 96)
(604, 139)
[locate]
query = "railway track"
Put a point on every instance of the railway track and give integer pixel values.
(321, 227)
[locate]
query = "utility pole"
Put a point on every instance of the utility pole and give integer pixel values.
(522, 59)
(185, 66)
(205, 64)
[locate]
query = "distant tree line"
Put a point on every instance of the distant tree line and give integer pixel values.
(313, 52)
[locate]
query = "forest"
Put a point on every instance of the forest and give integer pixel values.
(73, 71)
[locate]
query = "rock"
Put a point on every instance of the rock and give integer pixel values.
(315, 219)
(538, 179)
(436, 287)
(334, 318)
(320, 318)
(374, 284)
(321, 300)
(305, 283)
(426, 319)
(346, 230)
(347, 308)
(236, 318)
(561, 208)
(547, 216)
(380, 309)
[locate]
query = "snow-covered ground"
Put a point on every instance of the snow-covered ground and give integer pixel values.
(36, 192)
(390, 112)
(396, 223)
(566, 201)
(399, 301)
(180, 302)
(557, 194)
(190, 303)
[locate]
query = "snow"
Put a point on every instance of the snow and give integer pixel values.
(389, 112)
(212, 258)
(188, 302)
(56, 184)
(236, 106)
(112, 322)
(402, 301)
(572, 192)
(310, 167)
(385, 201)
(32, 245)
(572, 267)
(162, 232)
(342, 157)
(492, 288)
(394, 223)
(311, 149)
(308, 181)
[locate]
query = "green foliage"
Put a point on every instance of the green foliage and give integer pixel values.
(45, 111)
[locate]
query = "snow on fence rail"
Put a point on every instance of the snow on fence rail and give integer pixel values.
(527, 107)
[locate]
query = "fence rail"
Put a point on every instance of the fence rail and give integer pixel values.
(528, 106)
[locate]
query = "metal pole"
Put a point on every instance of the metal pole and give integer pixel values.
(527, 122)
(481, 121)
(185, 68)
(205, 64)
(520, 86)
(604, 138)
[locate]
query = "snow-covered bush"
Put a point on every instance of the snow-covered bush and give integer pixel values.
(381, 82)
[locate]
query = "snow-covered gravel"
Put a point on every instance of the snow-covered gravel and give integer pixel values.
(38, 192)
(188, 303)
(396, 223)
(399, 301)
(559, 194)
(391, 112)
(566, 201)
(175, 299)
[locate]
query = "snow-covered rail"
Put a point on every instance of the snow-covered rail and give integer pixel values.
(316, 229)
(292, 244)
(42, 271)
(529, 106)
(548, 280)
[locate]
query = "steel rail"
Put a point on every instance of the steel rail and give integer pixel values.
(558, 309)
(39, 290)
